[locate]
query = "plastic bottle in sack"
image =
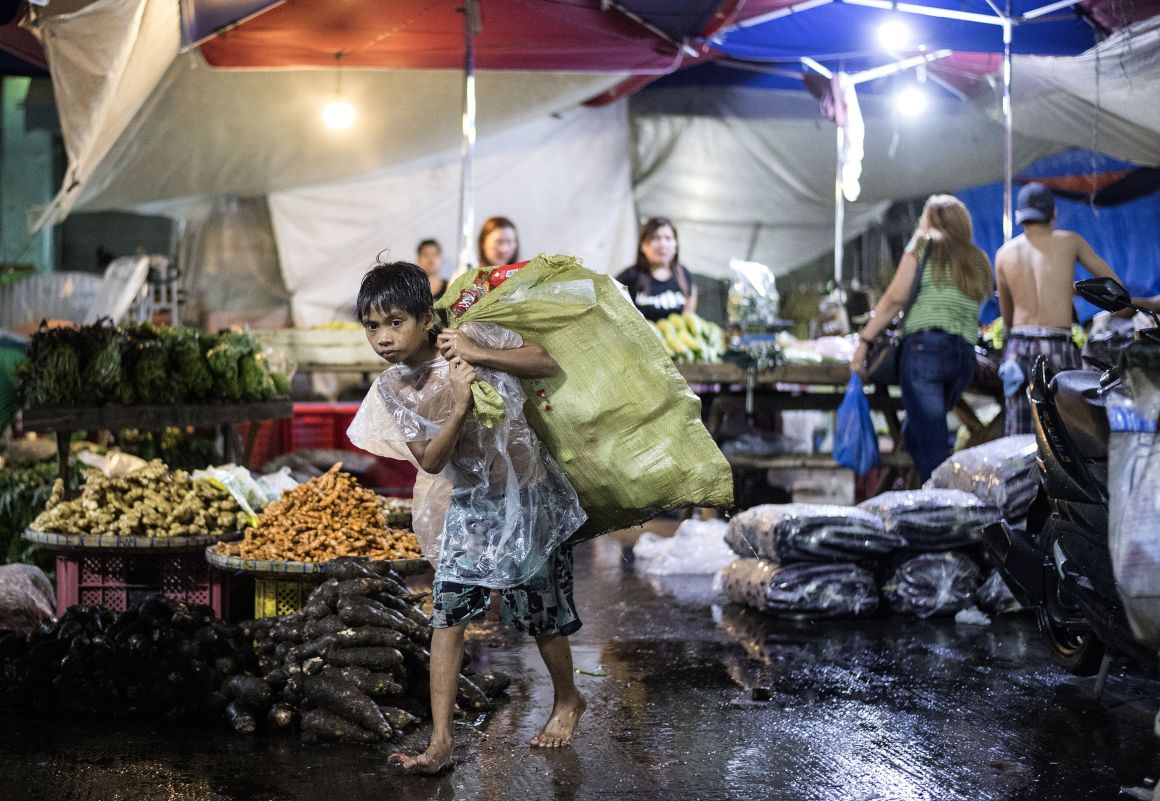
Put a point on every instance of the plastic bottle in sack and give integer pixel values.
(501, 274)
(467, 298)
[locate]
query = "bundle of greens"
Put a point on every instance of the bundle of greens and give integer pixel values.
(52, 374)
(188, 367)
(101, 376)
(140, 363)
(224, 358)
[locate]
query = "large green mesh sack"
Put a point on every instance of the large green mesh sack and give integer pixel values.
(618, 417)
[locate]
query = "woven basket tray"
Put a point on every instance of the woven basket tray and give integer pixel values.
(277, 568)
(113, 542)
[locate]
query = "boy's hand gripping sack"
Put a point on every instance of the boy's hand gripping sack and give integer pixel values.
(618, 417)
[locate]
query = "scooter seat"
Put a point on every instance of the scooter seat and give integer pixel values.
(1081, 408)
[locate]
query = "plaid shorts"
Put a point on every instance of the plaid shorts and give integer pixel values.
(1061, 354)
(542, 606)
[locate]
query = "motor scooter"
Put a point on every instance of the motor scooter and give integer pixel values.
(1061, 565)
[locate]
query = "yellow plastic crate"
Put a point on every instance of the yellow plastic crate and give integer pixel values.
(277, 597)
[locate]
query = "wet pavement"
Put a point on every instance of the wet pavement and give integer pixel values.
(888, 708)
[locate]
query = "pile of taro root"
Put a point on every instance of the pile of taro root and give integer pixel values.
(352, 666)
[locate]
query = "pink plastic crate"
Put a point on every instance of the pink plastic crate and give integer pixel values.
(117, 581)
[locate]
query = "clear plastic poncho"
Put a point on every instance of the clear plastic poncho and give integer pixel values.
(495, 513)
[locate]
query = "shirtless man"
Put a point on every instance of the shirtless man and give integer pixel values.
(1034, 273)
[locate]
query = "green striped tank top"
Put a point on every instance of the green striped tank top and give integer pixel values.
(941, 305)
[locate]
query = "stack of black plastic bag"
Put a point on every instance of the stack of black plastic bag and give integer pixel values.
(1002, 474)
(809, 589)
(933, 584)
(932, 519)
(806, 559)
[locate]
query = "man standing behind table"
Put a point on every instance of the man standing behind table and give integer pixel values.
(430, 257)
(1034, 273)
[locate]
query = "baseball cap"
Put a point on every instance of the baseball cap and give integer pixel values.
(1034, 204)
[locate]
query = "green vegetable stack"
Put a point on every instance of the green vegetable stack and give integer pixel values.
(52, 374)
(143, 364)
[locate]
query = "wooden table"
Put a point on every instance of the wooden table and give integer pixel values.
(63, 421)
(812, 386)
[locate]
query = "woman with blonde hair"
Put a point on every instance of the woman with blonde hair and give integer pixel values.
(937, 359)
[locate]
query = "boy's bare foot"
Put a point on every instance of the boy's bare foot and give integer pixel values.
(433, 761)
(561, 724)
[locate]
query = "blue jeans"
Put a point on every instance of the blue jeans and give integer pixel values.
(935, 369)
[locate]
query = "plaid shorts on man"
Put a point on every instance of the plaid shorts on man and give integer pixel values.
(1024, 346)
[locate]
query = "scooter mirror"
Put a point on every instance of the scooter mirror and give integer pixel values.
(1104, 292)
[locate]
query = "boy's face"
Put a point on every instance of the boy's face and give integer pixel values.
(398, 337)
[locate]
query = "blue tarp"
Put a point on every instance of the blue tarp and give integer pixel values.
(839, 31)
(1124, 235)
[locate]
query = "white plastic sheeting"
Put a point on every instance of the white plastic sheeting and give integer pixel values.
(105, 60)
(143, 123)
(1107, 99)
(563, 180)
(749, 173)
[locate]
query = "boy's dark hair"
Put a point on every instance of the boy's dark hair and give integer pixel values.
(394, 285)
(428, 243)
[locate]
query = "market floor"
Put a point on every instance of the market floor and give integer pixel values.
(890, 708)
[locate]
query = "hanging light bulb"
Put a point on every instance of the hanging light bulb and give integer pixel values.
(894, 34)
(338, 114)
(911, 101)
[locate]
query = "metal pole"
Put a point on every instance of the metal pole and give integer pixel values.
(1008, 148)
(467, 149)
(839, 210)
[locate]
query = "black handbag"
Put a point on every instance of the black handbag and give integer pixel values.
(884, 350)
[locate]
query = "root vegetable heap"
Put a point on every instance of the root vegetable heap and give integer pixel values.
(351, 667)
(162, 658)
(325, 518)
(151, 501)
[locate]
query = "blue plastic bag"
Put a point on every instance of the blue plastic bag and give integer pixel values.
(855, 443)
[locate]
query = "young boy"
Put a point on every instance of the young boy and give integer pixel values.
(491, 506)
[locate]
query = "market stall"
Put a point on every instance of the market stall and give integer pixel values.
(725, 386)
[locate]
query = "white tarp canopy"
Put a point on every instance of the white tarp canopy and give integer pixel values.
(749, 172)
(564, 181)
(743, 172)
(144, 123)
(1107, 99)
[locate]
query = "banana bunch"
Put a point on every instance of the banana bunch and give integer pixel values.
(688, 338)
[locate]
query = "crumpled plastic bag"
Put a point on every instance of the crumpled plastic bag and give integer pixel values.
(501, 505)
(697, 548)
(790, 532)
(617, 417)
(995, 596)
(932, 519)
(805, 589)
(1001, 473)
(237, 481)
(114, 463)
(933, 584)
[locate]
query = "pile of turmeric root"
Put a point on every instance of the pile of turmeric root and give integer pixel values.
(325, 518)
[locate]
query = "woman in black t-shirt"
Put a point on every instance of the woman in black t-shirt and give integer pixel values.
(658, 283)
